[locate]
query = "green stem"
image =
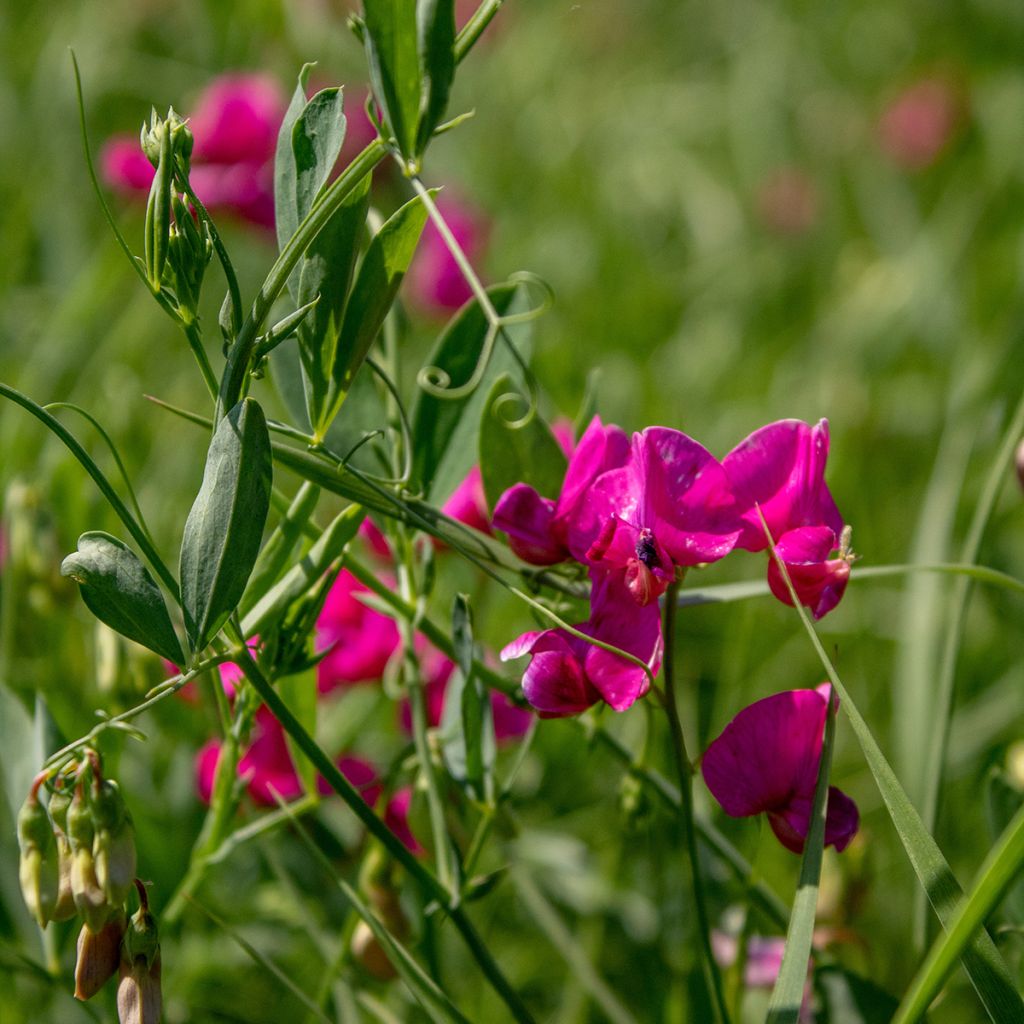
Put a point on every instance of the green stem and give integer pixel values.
(685, 771)
(474, 28)
(195, 342)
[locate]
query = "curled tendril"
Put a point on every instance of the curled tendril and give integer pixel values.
(504, 407)
(402, 417)
(547, 299)
(438, 382)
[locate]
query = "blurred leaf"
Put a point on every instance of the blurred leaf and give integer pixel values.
(384, 265)
(435, 23)
(275, 602)
(851, 999)
(391, 50)
(118, 589)
(446, 429)
(510, 453)
(317, 137)
(326, 271)
(225, 525)
(299, 692)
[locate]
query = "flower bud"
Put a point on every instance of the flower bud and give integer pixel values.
(139, 999)
(88, 894)
(175, 128)
(114, 846)
(99, 954)
(39, 867)
(370, 955)
(188, 254)
(60, 801)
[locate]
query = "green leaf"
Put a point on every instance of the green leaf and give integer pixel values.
(511, 453)
(223, 530)
(331, 543)
(851, 999)
(299, 692)
(467, 730)
(277, 552)
(445, 429)
(435, 24)
(1000, 869)
(317, 137)
(388, 257)
(391, 50)
(118, 589)
(286, 216)
(788, 994)
(326, 271)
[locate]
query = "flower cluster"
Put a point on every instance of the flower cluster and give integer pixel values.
(638, 513)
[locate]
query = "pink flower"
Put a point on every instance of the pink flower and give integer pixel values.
(543, 531)
(361, 640)
(766, 761)
(235, 127)
(762, 965)
(396, 817)
(566, 675)
(669, 507)
(819, 581)
(918, 124)
(269, 769)
(434, 279)
(468, 503)
(787, 202)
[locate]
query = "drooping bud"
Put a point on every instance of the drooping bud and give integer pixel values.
(139, 998)
(99, 955)
(60, 801)
(114, 845)
(38, 869)
(88, 894)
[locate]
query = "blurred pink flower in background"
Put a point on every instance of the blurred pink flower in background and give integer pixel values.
(766, 761)
(435, 282)
(919, 123)
(235, 126)
(396, 817)
(468, 503)
(788, 203)
(361, 639)
(762, 965)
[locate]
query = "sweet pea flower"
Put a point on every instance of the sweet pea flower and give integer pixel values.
(435, 281)
(396, 817)
(766, 761)
(468, 503)
(919, 123)
(819, 581)
(669, 507)
(235, 126)
(762, 964)
(361, 639)
(567, 675)
(543, 531)
(267, 765)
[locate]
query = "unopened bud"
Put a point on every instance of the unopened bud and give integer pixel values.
(1019, 461)
(370, 955)
(139, 998)
(175, 128)
(114, 846)
(88, 894)
(99, 955)
(38, 867)
(65, 908)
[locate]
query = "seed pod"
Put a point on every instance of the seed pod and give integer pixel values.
(99, 955)
(39, 866)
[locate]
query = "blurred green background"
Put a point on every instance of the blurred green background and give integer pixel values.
(737, 228)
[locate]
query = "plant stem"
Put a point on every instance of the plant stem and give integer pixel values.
(685, 771)
(195, 342)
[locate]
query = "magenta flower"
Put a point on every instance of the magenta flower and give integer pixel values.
(918, 124)
(566, 675)
(235, 127)
(468, 503)
(434, 280)
(669, 507)
(543, 531)
(819, 581)
(361, 640)
(396, 817)
(766, 761)
(762, 964)
(269, 769)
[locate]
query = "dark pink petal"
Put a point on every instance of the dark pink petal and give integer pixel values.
(124, 166)
(524, 644)
(360, 773)
(206, 769)
(600, 449)
(792, 822)
(245, 189)
(510, 720)
(818, 580)
(767, 754)
(236, 119)
(375, 540)
(781, 468)
(434, 278)
(919, 123)
(468, 504)
(554, 683)
(565, 435)
(396, 817)
(527, 518)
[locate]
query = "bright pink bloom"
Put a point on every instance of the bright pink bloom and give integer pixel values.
(375, 540)
(269, 768)
(434, 280)
(766, 761)
(235, 126)
(781, 469)
(670, 506)
(361, 640)
(919, 123)
(566, 675)
(788, 202)
(818, 580)
(543, 531)
(468, 503)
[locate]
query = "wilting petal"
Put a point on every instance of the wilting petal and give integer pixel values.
(781, 469)
(527, 518)
(468, 504)
(818, 580)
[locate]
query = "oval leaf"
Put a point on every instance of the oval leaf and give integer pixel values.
(223, 529)
(391, 50)
(118, 589)
(435, 23)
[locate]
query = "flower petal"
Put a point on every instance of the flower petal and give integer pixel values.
(818, 580)
(528, 518)
(554, 683)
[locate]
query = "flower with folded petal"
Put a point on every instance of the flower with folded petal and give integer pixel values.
(766, 761)
(669, 507)
(235, 126)
(819, 581)
(566, 674)
(543, 531)
(361, 640)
